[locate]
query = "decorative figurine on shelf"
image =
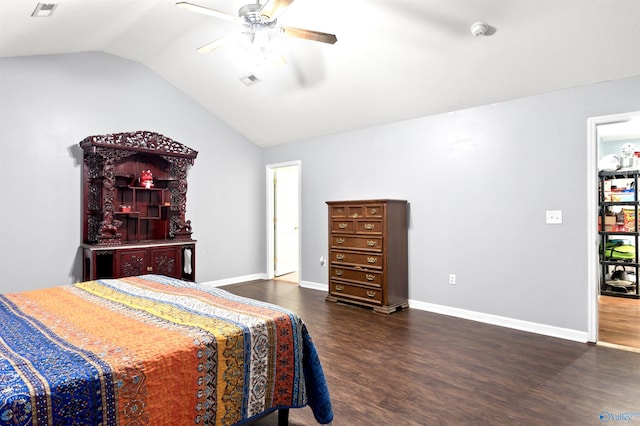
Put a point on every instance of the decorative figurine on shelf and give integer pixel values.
(146, 179)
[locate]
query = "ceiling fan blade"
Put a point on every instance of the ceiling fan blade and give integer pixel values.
(310, 35)
(206, 11)
(213, 45)
(274, 8)
(278, 60)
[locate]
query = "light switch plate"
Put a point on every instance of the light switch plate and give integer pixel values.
(554, 217)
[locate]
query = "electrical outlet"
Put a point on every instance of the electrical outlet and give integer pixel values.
(452, 279)
(554, 217)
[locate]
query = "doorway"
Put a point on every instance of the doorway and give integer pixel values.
(283, 222)
(614, 320)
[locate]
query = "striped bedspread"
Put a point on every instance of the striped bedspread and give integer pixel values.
(152, 350)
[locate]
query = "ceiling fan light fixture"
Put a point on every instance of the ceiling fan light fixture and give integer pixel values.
(251, 14)
(43, 10)
(261, 26)
(256, 41)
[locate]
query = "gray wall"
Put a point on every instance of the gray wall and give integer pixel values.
(50, 103)
(478, 182)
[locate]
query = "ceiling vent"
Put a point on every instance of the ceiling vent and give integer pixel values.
(250, 79)
(43, 10)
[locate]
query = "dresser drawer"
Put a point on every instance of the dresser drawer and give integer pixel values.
(361, 276)
(369, 227)
(346, 226)
(366, 260)
(374, 210)
(351, 212)
(354, 292)
(359, 243)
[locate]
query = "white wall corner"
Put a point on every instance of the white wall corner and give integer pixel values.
(531, 327)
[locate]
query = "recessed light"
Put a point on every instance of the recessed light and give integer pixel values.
(43, 10)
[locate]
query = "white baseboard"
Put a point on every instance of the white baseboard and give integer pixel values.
(532, 327)
(235, 280)
(314, 286)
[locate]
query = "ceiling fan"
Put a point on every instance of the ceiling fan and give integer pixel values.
(260, 23)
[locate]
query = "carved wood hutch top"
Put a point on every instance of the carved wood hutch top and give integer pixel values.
(117, 207)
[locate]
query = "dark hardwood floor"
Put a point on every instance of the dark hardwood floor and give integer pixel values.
(619, 321)
(419, 368)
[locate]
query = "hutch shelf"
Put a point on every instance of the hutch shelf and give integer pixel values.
(134, 205)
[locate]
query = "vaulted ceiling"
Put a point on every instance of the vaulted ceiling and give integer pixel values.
(394, 59)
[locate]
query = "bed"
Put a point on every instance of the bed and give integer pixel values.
(152, 350)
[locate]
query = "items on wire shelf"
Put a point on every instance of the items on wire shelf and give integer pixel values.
(619, 232)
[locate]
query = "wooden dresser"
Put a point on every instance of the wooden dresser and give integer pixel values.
(368, 253)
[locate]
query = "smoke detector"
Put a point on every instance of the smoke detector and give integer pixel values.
(479, 28)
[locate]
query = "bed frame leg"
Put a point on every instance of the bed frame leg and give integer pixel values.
(283, 417)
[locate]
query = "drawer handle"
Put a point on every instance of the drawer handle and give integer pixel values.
(369, 226)
(372, 243)
(339, 287)
(342, 225)
(339, 272)
(374, 211)
(371, 293)
(340, 240)
(370, 277)
(355, 215)
(340, 256)
(372, 259)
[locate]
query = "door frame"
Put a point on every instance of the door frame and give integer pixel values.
(270, 172)
(592, 217)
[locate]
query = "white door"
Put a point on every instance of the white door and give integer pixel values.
(285, 220)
